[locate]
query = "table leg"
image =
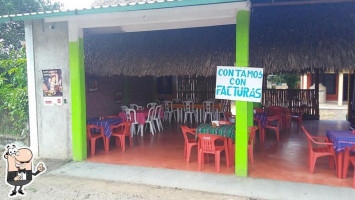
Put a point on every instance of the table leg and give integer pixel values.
(339, 164)
(231, 150)
(181, 114)
(107, 144)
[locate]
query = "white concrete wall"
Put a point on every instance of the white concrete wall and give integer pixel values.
(50, 48)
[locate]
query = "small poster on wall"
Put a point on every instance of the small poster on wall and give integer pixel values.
(52, 87)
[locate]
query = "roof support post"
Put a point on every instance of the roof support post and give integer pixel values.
(316, 87)
(340, 88)
(244, 110)
(77, 87)
(31, 85)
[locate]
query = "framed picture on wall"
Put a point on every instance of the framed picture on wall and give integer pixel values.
(118, 97)
(165, 85)
(93, 84)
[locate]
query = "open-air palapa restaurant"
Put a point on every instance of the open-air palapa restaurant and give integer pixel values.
(138, 86)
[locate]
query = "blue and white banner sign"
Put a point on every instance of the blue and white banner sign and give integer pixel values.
(239, 83)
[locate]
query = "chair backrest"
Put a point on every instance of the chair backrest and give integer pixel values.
(311, 140)
(152, 105)
(168, 106)
(131, 115)
(186, 131)
(224, 122)
(176, 101)
(228, 116)
(208, 106)
(150, 114)
(258, 110)
(122, 128)
(275, 110)
(90, 130)
(123, 108)
(157, 111)
(189, 106)
(133, 106)
(207, 142)
(273, 118)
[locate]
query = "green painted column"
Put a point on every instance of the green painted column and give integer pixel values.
(78, 102)
(244, 110)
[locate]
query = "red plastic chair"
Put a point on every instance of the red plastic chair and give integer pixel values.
(325, 149)
(228, 116)
(288, 119)
(206, 145)
(299, 115)
(275, 110)
(270, 125)
(347, 159)
(92, 136)
(258, 110)
(189, 141)
(251, 140)
(121, 131)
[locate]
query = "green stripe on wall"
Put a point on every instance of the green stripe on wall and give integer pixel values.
(78, 103)
(244, 110)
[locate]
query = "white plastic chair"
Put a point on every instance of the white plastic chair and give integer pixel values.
(123, 108)
(179, 111)
(157, 117)
(208, 109)
(131, 116)
(150, 121)
(133, 106)
(168, 110)
(152, 105)
(189, 110)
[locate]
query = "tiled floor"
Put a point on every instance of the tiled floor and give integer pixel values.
(285, 160)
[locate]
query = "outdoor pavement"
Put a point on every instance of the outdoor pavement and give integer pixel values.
(215, 183)
(331, 111)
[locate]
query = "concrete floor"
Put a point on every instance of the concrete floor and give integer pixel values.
(285, 160)
(331, 111)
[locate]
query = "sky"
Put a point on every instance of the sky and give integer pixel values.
(73, 4)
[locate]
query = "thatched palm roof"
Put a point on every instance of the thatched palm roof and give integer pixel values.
(293, 39)
(161, 53)
(302, 38)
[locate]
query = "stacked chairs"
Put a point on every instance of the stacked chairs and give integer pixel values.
(123, 108)
(189, 110)
(168, 110)
(208, 109)
(152, 105)
(178, 111)
(150, 121)
(131, 116)
(133, 106)
(157, 117)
